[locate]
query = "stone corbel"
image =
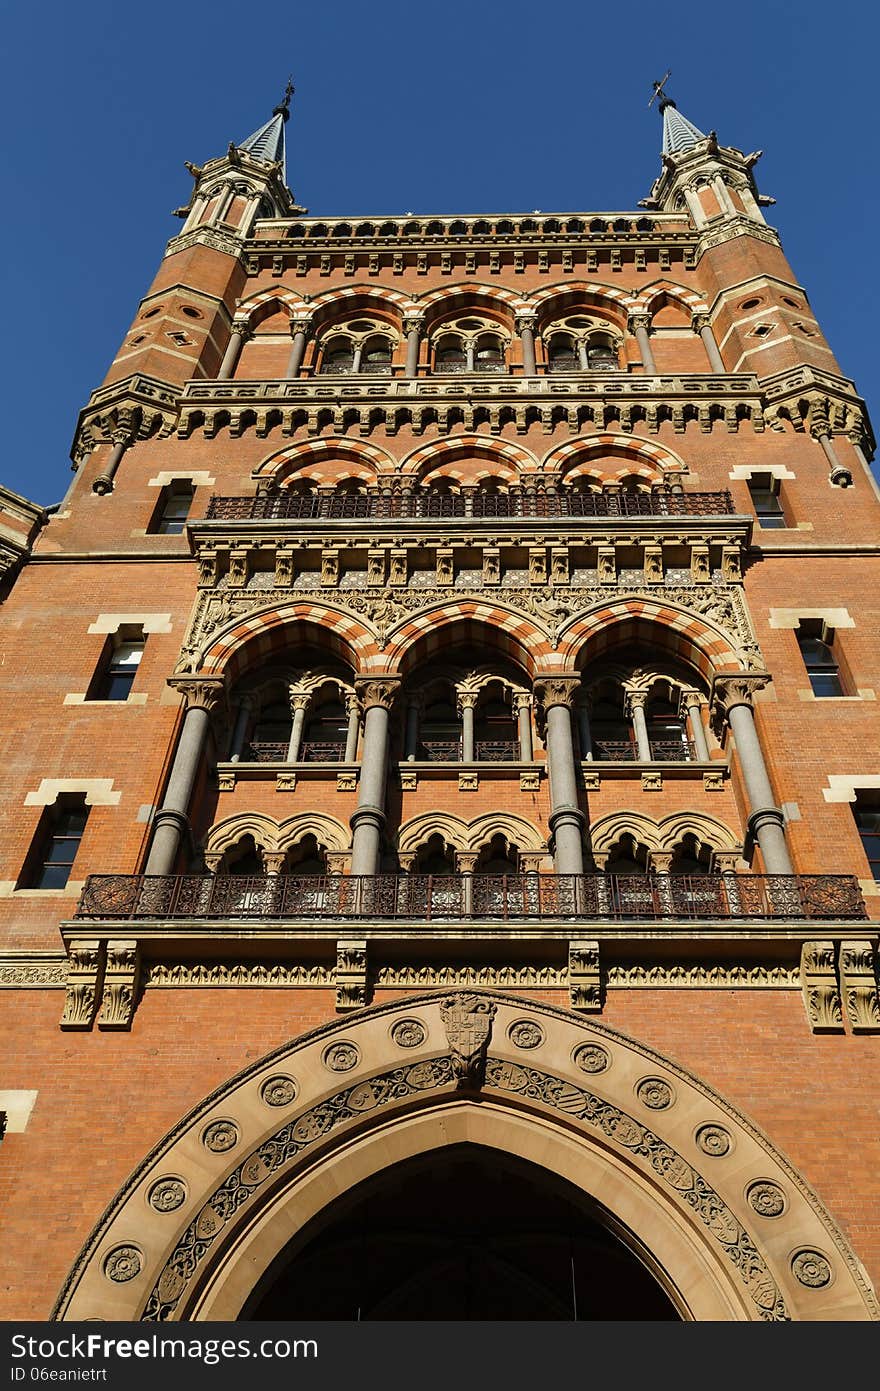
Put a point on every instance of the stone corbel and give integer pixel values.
(351, 975)
(84, 977)
(819, 987)
(858, 978)
(584, 979)
(121, 983)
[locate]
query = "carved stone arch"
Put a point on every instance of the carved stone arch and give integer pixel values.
(608, 830)
(651, 296)
(265, 302)
(226, 834)
(484, 676)
(267, 633)
(514, 458)
(327, 831)
(692, 638)
(311, 458)
(593, 294)
(728, 1227)
(707, 831)
(515, 830)
(395, 300)
(642, 457)
(440, 303)
(418, 831)
(467, 622)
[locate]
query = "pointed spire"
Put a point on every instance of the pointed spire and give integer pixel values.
(267, 143)
(679, 133)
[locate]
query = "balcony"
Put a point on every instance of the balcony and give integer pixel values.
(486, 750)
(662, 751)
(291, 506)
(459, 897)
(265, 751)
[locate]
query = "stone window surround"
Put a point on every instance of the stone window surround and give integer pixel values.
(105, 625)
(790, 619)
(200, 478)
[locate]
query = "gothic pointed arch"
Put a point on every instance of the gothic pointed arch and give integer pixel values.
(322, 461)
(705, 640)
(652, 296)
(270, 632)
(467, 622)
(513, 459)
(629, 455)
(729, 1228)
(260, 305)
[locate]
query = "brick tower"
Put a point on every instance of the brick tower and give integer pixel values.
(441, 837)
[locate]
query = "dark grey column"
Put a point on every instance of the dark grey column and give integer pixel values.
(299, 332)
(239, 336)
(121, 438)
(376, 696)
(238, 733)
(704, 329)
(172, 818)
(523, 702)
(691, 707)
(525, 327)
(585, 736)
(859, 443)
(412, 728)
(639, 325)
(840, 475)
(556, 694)
(412, 327)
(732, 699)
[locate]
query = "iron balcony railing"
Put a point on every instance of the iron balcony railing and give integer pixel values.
(486, 750)
(265, 751)
(452, 897)
(662, 751)
(294, 506)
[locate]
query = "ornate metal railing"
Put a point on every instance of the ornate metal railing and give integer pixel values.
(440, 750)
(292, 506)
(541, 897)
(497, 750)
(662, 751)
(264, 751)
(314, 751)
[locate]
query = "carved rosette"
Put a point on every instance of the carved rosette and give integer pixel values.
(467, 1020)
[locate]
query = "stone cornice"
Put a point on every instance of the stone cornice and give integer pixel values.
(139, 404)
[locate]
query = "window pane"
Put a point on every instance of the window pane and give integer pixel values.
(53, 876)
(825, 683)
(117, 685)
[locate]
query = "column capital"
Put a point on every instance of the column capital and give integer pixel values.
(243, 328)
(467, 700)
(636, 700)
(413, 323)
(299, 700)
(300, 323)
(557, 690)
(688, 697)
(661, 860)
(466, 861)
(522, 700)
(201, 692)
(377, 691)
(637, 321)
(726, 861)
(352, 703)
(700, 320)
(526, 321)
(730, 689)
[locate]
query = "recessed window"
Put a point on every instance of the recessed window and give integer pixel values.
(190, 312)
(816, 643)
(119, 664)
(762, 330)
(751, 303)
(866, 811)
(172, 508)
(55, 844)
(764, 490)
(151, 313)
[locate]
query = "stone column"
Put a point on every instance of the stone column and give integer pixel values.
(171, 820)
(470, 354)
(238, 733)
(353, 710)
(585, 736)
(722, 193)
(299, 704)
(412, 327)
(525, 327)
(732, 700)
(840, 475)
(639, 325)
(466, 863)
(411, 742)
(376, 696)
(358, 357)
(237, 339)
(467, 701)
(122, 438)
(691, 707)
(750, 204)
(858, 443)
(523, 702)
(661, 864)
(299, 332)
(695, 207)
(556, 694)
(637, 700)
(583, 359)
(703, 328)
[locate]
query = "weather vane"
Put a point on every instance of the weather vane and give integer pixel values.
(283, 108)
(658, 88)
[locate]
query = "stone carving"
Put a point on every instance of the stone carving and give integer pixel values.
(584, 985)
(167, 1195)
(121, 982)
(278, 1091)
(341, 1057)
(766, 1198)
(467, 1020)
(654, 1093)
(525, 1033)
(123, 1264)
(351, 975)
(409, 1033)
(702, 975)
(811, 1269)
(591, 1057)
(556, 690)
(737, 688)
(858, 980)
(166, 974)
(220, 1136)
(819, 987)
(86, 960)
(714, 1140)
(487, 977)
(377, 691)
(32, 971)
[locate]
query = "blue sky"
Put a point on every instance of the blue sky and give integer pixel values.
(455, 107)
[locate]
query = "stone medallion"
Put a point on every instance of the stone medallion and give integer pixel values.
(525, 1033)
(341, 1057)
(766, 1198)
(811, 1269)
(654, 1093)
(167, 1195)
(220, 1136)
(714, 1140)
(591, 1057)
(122, 1264)
(278, 1091)
(409, 1033)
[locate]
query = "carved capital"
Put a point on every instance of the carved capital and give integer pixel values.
(522, 700)
(467, 1020)
(351, 975)
(467, 700)
(734, 688)
(699, 322)
(121, 982)
(300, 323)
(636, 700)
(584, 981)
(637, 321)
(200, 693)
(858, 979)
(413, 323)
(557, 690)
(526, 322)
(242, 328)
(377, 690)
(85, 968)
(299, 700)
(819, 987)
(688, 698)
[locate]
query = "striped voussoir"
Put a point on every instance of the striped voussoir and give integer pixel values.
(638, 456)
(594, 292)
(452, 297)
(468, 623)
(429, 456)
(402, 303)
(274, 632)
(646, 299)
(256, 306)
(638, 620)
(306, 458)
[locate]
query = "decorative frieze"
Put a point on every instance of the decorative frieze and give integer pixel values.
(351, 975)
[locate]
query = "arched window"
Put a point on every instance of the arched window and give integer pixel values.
(325, 732)
(440, 732)
(602, 355)
(435, 857)
(271, 733)
(244, 859)
(562, 355)
(376, 356)
(450, 355)
(630, 888)
(306, 859)
(338, 357)
(489, 355)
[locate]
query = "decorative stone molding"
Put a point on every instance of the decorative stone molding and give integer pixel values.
(121, 982)
(84, 977)
(584, 982)
(99, 792)
(556, 690)
(377, 691)
(467, 1020)
(199, 693)
(819, 987)
(351, 975)
(858, 979)
(32, 970)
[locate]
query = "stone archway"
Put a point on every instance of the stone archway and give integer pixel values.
(728, 1229)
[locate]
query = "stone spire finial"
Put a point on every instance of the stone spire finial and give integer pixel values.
(679, 133)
